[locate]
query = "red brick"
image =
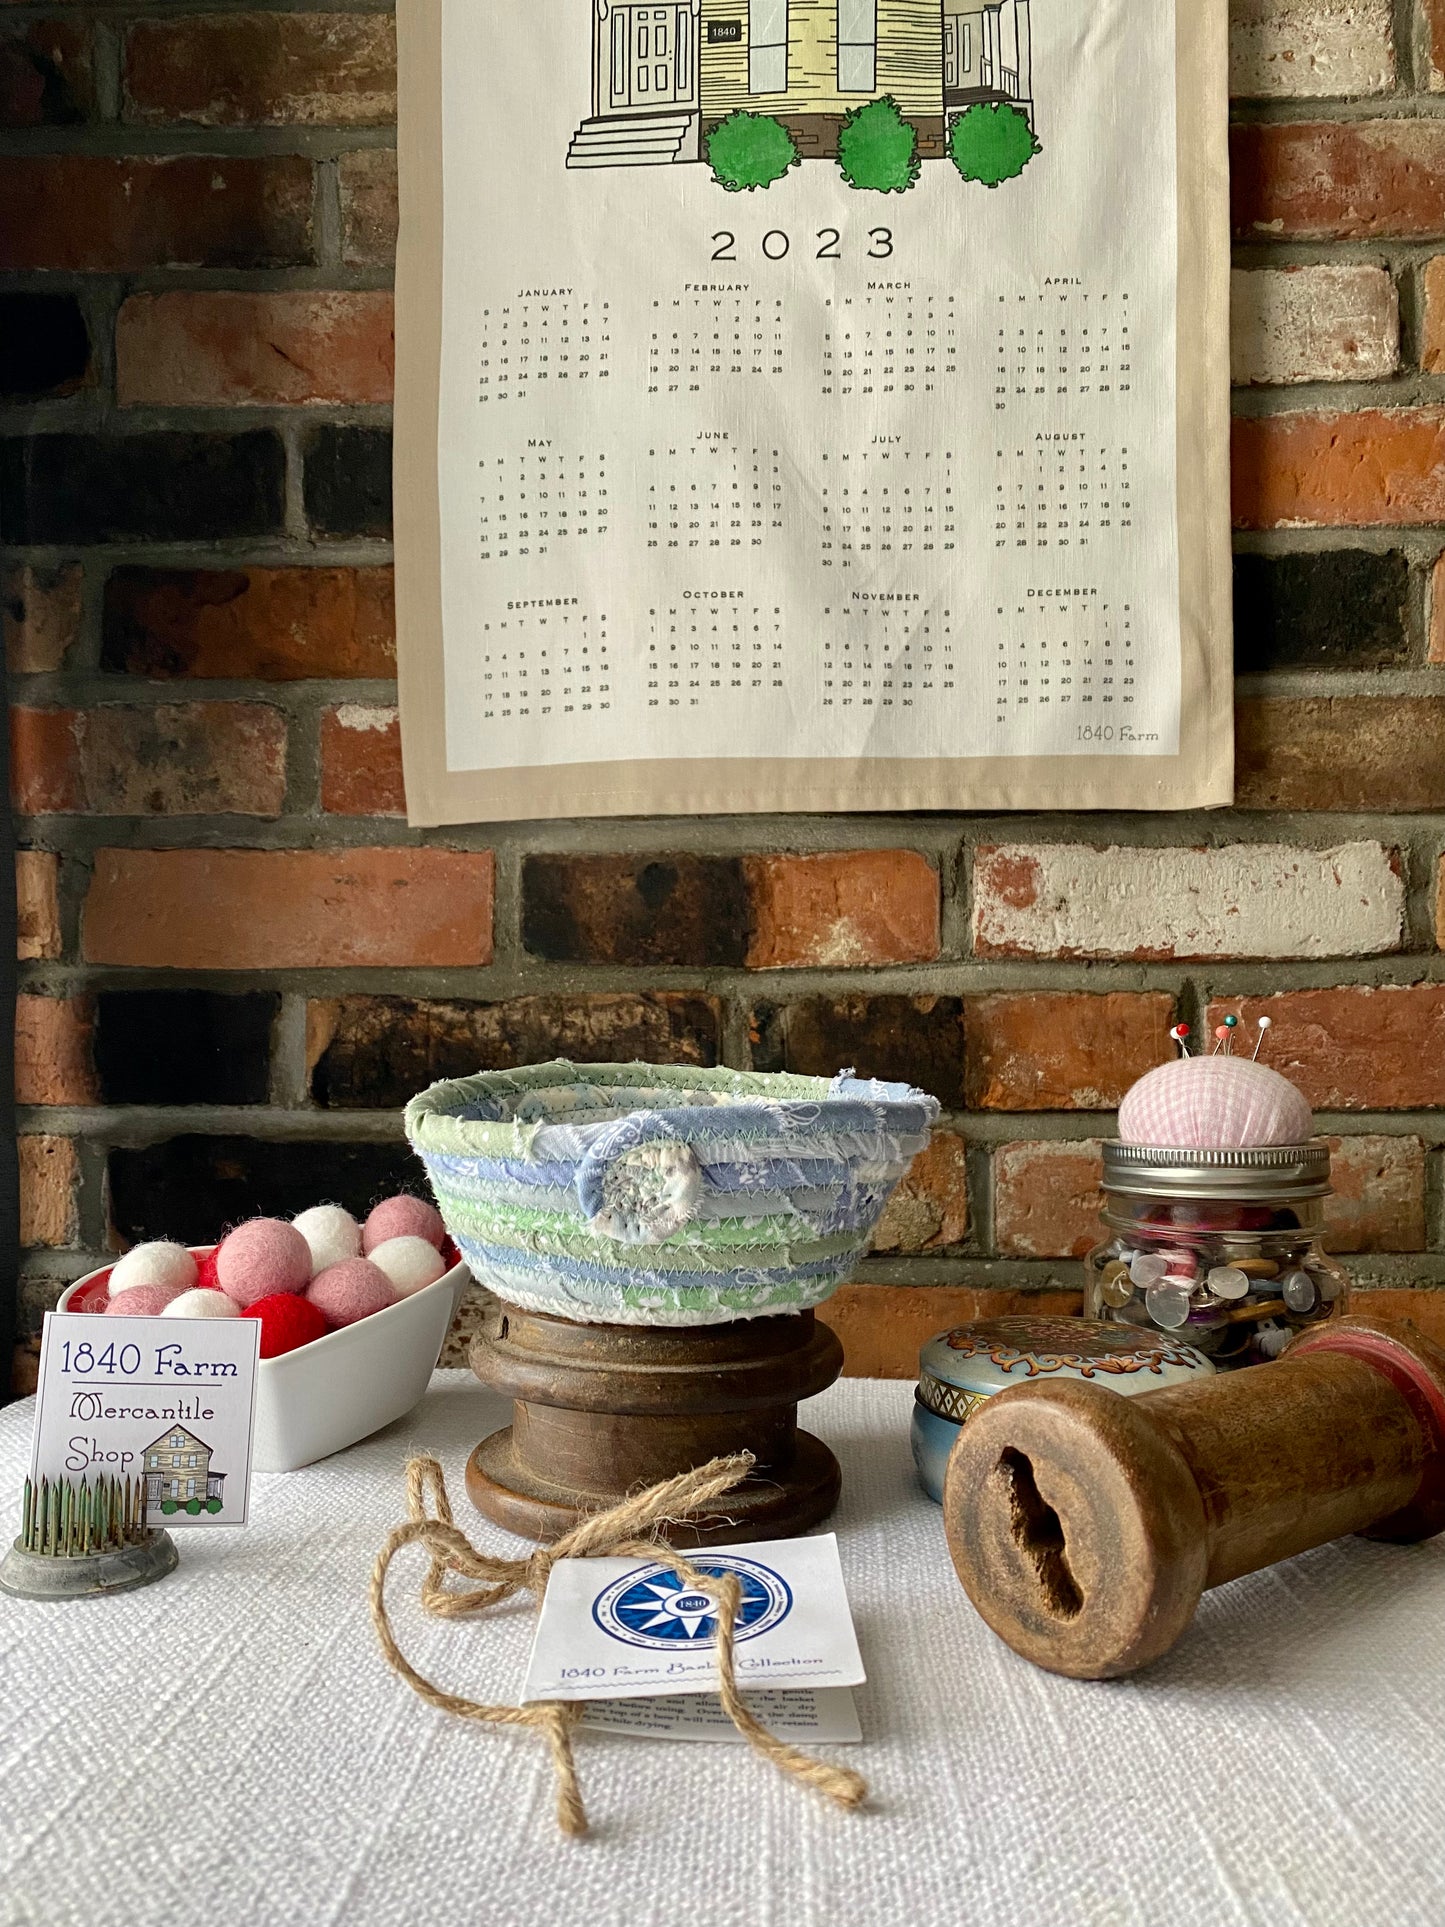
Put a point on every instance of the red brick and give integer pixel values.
(900, 1039)
(1376, 468)
(53, 1062)
(201, 350)
(1379, 1195)
(1062, 1051)
(844, 910)
(1320, 323)
(361, 762)
(1338, 180)
(1355, 1048)
(929, 1210)
(1340, 753)
(278, 625)
(1286, 49)
(45, 774)
(884, 1327)
(40, 610)
(107, 214)
(176, 759)
(235, 69)
(289, 909)
(49, 1179)
(47, 77)
(1435, 26)
(369, 209)
(1432, 345)
(37, 904)
(1231, 900)
(1046, 1198)
(374, 1053)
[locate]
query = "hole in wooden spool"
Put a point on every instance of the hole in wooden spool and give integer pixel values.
(1039, 1534)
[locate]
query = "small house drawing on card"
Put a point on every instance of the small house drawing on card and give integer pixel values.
(665, 77)
(178, 1475)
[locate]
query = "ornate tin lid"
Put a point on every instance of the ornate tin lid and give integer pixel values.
(979, 1359)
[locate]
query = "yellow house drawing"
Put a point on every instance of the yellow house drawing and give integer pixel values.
(664, 76)
(178, 1466)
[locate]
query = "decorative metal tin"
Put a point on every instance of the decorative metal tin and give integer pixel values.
(960, 1369)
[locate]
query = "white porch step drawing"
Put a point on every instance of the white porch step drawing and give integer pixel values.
(633, 140)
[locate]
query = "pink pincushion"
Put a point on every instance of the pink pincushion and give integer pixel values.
(403, 1217)
(1214, 1103)
(351, 1290)
(143, 1301)
(261, 1258)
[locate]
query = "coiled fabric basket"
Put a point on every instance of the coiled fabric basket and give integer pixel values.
(638, 1194)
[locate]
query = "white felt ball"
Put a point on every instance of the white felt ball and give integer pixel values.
(410, 1263)
(160, 1263)
(1218, 1103)
(202, 1304)
(333, 1235)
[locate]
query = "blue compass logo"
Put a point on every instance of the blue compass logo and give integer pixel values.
(654, 1607)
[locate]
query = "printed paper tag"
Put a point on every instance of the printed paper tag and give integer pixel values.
(171, 1401)
(802, 1716)
(613, 1629)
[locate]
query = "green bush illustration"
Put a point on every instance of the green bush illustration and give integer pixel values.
(991, 142)
(170, 1505)
(193, 1506)
(750, 150)
(878, 148)
(214, 1505)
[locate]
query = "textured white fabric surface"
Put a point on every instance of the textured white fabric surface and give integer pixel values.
(226, 1749)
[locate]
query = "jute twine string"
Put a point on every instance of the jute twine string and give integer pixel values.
(626, 1531)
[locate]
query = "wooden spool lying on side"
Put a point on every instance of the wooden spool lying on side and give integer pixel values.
(601, 1411)
(1085, 1526)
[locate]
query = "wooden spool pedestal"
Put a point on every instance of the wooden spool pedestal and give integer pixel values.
(602, 1411)
(1085, 1526)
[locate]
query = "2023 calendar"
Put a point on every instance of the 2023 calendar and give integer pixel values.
(812, 405)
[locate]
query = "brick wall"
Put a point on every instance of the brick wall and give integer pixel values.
(238, 961)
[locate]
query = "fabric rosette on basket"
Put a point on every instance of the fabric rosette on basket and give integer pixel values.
(640, 1194)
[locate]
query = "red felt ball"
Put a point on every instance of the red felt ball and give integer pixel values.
(206, 1271)
(403, 1217)
(287, 1322)
(143, 1301)
(352, 1290)
(260, 1258)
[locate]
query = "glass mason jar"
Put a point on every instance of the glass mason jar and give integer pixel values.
(1220, 1248)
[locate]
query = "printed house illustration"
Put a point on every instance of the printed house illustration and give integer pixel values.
(663, 77)
(178, 1468)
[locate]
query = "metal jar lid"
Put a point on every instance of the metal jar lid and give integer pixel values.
(1262, 1172)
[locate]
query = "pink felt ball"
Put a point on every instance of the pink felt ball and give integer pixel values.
(143, 1301)
(287, 1323)
(351, 1290)
(261, 1258)
(403, 1217)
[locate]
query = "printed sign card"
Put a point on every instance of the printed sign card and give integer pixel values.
(168, 1400)
(618, 1630)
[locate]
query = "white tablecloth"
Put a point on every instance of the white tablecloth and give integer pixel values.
(227, 1749)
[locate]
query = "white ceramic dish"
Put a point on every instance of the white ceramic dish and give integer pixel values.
(325, 1396)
